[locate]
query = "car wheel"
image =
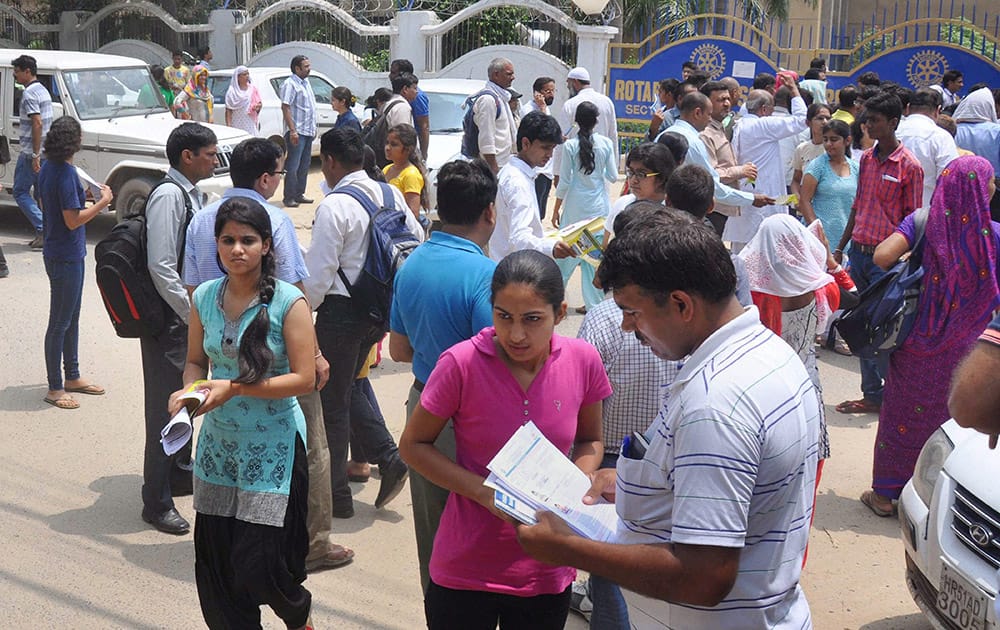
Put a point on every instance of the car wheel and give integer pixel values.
(130, 198)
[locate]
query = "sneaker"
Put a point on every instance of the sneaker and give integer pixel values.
(37, 243)
(579, 599)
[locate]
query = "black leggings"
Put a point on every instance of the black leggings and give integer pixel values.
(451, 609)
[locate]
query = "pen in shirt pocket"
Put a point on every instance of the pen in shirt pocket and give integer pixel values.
(889, 178)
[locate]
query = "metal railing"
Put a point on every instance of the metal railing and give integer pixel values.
(18, 30)
(143, 21)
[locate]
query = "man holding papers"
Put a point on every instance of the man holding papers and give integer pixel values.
(715, 500)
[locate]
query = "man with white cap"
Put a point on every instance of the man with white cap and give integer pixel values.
(578, 84)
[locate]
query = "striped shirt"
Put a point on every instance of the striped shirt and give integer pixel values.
(639, 379)
(34, 100)
(732, 463)
(887, 192)
(200, 259)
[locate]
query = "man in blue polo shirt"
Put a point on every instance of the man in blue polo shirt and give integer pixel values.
(420, 105)
(441, 296)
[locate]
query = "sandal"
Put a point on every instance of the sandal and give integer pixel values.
(858, 406)
(336, 556)
(871, 501)
(63, 402)
(90, 390)
(842, 348)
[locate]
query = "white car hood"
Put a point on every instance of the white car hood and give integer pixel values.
(444, 147)
(123, 132)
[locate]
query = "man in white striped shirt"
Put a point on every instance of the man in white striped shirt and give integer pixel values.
(715, 509)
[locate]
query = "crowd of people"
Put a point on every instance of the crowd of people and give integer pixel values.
(692, 396)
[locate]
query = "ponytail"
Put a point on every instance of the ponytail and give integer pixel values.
(586, 118)
(255, 356)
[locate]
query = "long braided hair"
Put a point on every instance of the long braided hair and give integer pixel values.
(255, 356)
(586, 118)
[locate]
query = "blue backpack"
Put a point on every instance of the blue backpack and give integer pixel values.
(887, 309)
(390, 241)
(470, 130)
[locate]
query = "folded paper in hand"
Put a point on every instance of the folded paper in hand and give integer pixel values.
(180, 428)
(530, 474)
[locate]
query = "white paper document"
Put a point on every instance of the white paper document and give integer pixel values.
(177, 432)
(530, 474)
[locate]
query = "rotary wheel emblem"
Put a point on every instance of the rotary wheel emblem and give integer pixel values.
(926, 68)
(710, 59)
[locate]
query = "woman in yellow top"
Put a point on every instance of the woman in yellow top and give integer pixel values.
(406, 170)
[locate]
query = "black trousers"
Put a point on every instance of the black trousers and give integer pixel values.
(240, 566)
(163, 359)
(451, 609)
(345, 340)
(543, 184)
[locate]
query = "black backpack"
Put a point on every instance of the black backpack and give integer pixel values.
(887, 309)
(390, 241)
(376, 133)
(134, 305)
(470, 130)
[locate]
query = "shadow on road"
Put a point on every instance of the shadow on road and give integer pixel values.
(847, 514)
(116, 513)
(915, 621)
(24, 398)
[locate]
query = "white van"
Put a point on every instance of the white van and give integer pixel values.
(124, 119)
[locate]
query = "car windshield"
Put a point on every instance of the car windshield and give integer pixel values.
(113, 92)
(446, 111)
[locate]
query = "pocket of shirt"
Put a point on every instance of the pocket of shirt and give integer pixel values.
(640, 491)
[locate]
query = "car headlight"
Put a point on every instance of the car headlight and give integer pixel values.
(929, 464)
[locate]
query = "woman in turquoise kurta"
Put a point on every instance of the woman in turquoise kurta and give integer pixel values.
(250, 476)
(589, 164)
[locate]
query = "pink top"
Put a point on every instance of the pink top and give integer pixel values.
(474, 550)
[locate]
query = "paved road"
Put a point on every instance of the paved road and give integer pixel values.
(76, 554)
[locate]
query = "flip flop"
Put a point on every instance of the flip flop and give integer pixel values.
(90, 390)
(858, 406)
(64, 402)
(337, 556)
(868, 498)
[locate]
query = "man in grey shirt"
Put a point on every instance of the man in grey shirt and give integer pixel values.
(35, 113)
(191, 151)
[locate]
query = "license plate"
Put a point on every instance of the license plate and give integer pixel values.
(960, 601)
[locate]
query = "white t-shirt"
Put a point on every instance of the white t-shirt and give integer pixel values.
(732, 463)
(617, 208)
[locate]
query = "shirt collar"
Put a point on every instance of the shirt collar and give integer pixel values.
(178, 177)
(715, 124)
(246, 192)
(351, 178)
(522, 166)
(895, 156)
(453, 241)
(716, 341)
(296, 78)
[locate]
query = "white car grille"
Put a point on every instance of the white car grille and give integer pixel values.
(977, 525)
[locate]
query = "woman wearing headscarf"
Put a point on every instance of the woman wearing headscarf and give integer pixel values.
(787, 271)
(958, 296)
(243, 102)
(194, 102)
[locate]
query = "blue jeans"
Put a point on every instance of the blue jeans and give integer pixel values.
(297, 167)
(62, 337)
(865, 272)
(610, 609)
(25, 178)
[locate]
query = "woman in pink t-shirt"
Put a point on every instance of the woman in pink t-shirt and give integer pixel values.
(490, 385)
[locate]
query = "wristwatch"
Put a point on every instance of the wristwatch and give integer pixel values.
(35, 156)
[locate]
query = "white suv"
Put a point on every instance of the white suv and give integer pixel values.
(124, 119)
(950, 516)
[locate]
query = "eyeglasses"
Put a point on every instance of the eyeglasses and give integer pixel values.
(278, 172)
(638, 175)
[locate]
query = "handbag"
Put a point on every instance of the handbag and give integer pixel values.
(887, 309)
